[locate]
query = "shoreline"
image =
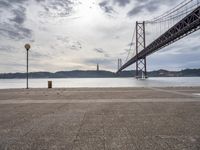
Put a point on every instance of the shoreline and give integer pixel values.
(136, 87)
(102, 77)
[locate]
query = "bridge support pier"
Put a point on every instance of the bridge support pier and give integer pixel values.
(141, 68)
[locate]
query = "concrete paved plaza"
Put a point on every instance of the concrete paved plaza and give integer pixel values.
(100, 119)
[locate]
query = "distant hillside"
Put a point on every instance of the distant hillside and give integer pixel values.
(61, 74)
(182, 73)
(101, 74)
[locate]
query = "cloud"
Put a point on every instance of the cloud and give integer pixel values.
(63, 39)
(136, 10)
(76, 45)
(40, 1)
(173, 61)
(106, 8)
(20, 15)
(131, 44)
(4, 4)
(148, 5)
(38, 55)
(13, 25)
(15, 31)
(69, 43)
(8, 3)
(55, 8)
(103, 62)
(7, 48)
(122, 3)
(101, 51)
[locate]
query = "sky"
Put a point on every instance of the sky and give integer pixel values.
(78, 34)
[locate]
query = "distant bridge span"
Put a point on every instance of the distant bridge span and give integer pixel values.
(184, 27)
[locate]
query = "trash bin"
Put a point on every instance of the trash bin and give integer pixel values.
(49, 84)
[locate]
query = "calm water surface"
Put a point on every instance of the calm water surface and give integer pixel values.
(101, 82)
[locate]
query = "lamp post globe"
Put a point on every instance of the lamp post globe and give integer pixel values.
(27, 46)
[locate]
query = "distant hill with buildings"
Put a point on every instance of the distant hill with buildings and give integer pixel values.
(101, 74)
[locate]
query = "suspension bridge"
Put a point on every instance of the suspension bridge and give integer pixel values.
(152, 35)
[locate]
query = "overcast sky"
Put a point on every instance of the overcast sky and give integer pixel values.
(78, 34)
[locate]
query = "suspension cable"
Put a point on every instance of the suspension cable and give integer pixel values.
(131, 44)
(172, 11)
(173, 17)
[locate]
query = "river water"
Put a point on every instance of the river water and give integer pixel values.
(101, 82)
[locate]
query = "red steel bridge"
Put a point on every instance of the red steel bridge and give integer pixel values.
(160, 32)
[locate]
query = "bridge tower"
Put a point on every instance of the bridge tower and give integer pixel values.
(141, 68)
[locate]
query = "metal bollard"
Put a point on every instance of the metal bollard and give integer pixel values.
(49, 84)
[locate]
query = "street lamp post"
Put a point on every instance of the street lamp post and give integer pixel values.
(27, 47)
